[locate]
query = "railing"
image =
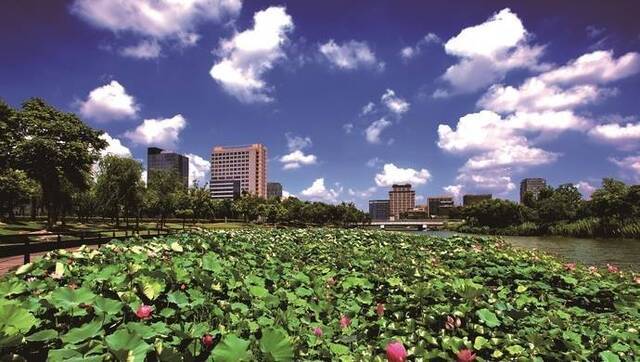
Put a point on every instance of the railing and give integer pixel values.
(22, 244)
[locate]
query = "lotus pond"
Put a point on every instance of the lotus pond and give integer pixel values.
(316, 294)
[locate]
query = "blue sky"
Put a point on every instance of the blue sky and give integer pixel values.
(349, 97)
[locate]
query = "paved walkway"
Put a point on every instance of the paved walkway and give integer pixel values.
(13, 262)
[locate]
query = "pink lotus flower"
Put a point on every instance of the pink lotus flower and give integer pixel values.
(612, 268)
(183, 287)
(636, 279)
(396, 352)
(570, 266)
(318, 332)
(476, 247)
(207, 340)
(331, 282)
(344, 321)
(380, 309)
(466, 355)
(144, 311)
(593, 269)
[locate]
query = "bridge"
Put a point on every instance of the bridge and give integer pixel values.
(412, 224)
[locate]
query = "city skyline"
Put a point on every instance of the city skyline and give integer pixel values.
(468, 103)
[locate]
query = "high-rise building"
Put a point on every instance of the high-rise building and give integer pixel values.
(401, 198)
(274, 189)
(533, 185)
(468, 200)
(379, 209)
(440, 206)
(225, 189)
(162, 160)
(247, 164)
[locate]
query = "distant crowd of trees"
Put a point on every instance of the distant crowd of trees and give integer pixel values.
(612, 210)
(51, 161)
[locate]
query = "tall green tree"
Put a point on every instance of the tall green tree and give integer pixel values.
(162, 194)
(119, 186)
(15, 189)
(54, 148)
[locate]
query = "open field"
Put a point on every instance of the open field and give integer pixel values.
(316, 294)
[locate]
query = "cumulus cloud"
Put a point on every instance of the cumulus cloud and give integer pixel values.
(373, 132)
(109, 102)
(297, 142)
(410, 52)
(199, 169)
(246, 57)
(158, 132)
(391, 174)
(362, 194)
(395, 104)
(488, 51)
(623, 136)
(575, 84)
(585, 188)
(319, 192)
(155, 19)
(296, 159)
(496, 180)
(455, 191)
(373, 162)
(629, 165)
(148, 49)
(350, 55)
(368, 108)
(347, 127)
(114, 147)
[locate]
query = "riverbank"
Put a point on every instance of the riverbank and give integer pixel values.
(584, 228)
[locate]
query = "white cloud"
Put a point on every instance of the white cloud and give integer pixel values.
(143, 176)
(391, 174)
(597, 67)
(372, 133)
(296, 142)
(114, 147)
(488, 51)
(630, 165)
(368, 108)
(286, 194)
(497, 180)
(408, 52)
(148, 49)
(158, 132)
(362, 194)
(108, 103)
(318, 192)
(199, 169)
(350, 55)
(511, 155)
(395, 104)
(247, 56)
(155, 19)
(626, 137)
(455, 191)
(585, 188)
(347, 127)
(566, 87)
(296, 159)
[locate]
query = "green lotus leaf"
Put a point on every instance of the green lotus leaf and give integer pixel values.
(127, 346)
(86, 331)
(14, 319)
(211, 262)
(275, 344)
(107, 306)
(258, 291)
(42, 336)
(178, 298)
(66, 299)
(151, 287)
(488, 317)
(608, 356)
(11, 287)
(23, 269)
(175, 246)
(231, 349)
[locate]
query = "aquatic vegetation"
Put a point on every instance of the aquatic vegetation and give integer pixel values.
(316, 294)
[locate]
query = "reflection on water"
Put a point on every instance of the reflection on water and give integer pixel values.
(622, 252)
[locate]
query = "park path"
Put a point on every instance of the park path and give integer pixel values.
(13, 262)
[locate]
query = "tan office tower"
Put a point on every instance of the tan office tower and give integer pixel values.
(401, 198)
(247, 164)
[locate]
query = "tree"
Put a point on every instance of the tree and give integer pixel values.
(162, 193)
(119, 186)
(608, 203)
(495, 213)
(560, 204)
(53, 148)
(15, 189)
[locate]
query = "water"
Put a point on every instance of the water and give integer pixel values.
(622, 252)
